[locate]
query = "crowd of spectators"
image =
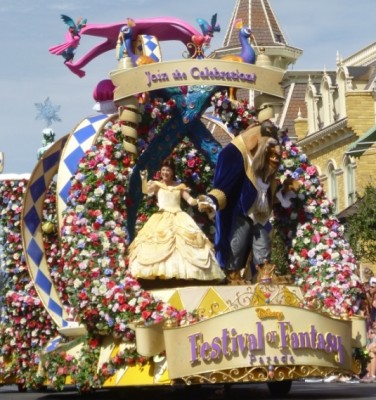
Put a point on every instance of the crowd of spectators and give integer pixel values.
(370, 288)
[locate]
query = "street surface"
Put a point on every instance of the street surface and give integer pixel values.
(299, 391)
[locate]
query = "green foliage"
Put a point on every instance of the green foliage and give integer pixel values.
(361, 226)
(4, 281)
(279, 253)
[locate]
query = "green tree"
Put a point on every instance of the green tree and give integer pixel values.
(361, 226)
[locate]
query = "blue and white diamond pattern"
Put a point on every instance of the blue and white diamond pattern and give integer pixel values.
(67, 152)
(77, 144)
(148, 45)
(32, 236)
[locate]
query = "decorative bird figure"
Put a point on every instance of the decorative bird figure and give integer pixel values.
(72, 38)
(247, 55)
(126, 46)
(209, 29)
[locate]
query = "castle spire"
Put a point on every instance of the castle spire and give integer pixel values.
(260, 17)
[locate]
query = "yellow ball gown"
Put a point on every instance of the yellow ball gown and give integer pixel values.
(171, 244)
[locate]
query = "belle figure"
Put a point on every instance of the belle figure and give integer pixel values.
(171, 245)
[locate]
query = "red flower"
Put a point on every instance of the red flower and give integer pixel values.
(110, 177)
(304, 253)
(94, 343)
(82, 295)
(146, 314)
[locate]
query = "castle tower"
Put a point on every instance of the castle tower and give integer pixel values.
(269, 38)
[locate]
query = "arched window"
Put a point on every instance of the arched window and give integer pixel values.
(311, 99)
(341, 85)
(348, 167)
(327, 100)
(332, 186)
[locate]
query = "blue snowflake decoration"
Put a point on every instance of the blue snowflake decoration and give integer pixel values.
(47, 112)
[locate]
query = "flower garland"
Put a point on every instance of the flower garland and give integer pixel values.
(94, 245)
(154, 116)
(236, 115)
(25, 325)
(194, 170)
(51, 242)
(320, 257)
(82, 369)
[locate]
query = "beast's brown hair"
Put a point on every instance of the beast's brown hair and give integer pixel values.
(260, 162)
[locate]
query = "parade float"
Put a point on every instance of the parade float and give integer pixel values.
(82, 206)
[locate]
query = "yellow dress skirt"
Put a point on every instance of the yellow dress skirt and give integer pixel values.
(171, 244)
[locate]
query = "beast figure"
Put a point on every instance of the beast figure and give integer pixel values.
(244, 190)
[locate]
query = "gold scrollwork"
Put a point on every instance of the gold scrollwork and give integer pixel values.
(242, 299)
(260, 374)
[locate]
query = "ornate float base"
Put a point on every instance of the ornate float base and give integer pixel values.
(249, 333)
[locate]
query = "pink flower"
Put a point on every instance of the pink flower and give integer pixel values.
(316, 237)
(311, 170)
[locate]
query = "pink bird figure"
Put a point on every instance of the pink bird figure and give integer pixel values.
(72, 39)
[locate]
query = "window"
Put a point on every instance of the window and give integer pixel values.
(332, 186)
(327, 101)
(349, 181)
(341, 84)
(311, 99)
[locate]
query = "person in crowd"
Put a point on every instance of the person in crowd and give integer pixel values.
(371, 347)
(371, 298)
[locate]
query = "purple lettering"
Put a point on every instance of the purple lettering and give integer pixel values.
(313, 337)
(294, 340)
(205, 351)
(225, 342)
(341, 354)
(216, 348)
(193, 339)
(284, 327)
(260, 335)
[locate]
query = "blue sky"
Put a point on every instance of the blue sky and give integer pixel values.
(29, 73)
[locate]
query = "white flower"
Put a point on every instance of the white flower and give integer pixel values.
(77, 283)
(119, 232)
(83, 264)
(102, 289)
(98, 191)
(105, 262)
(80, 208)
(132, 302)
(288, 163)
